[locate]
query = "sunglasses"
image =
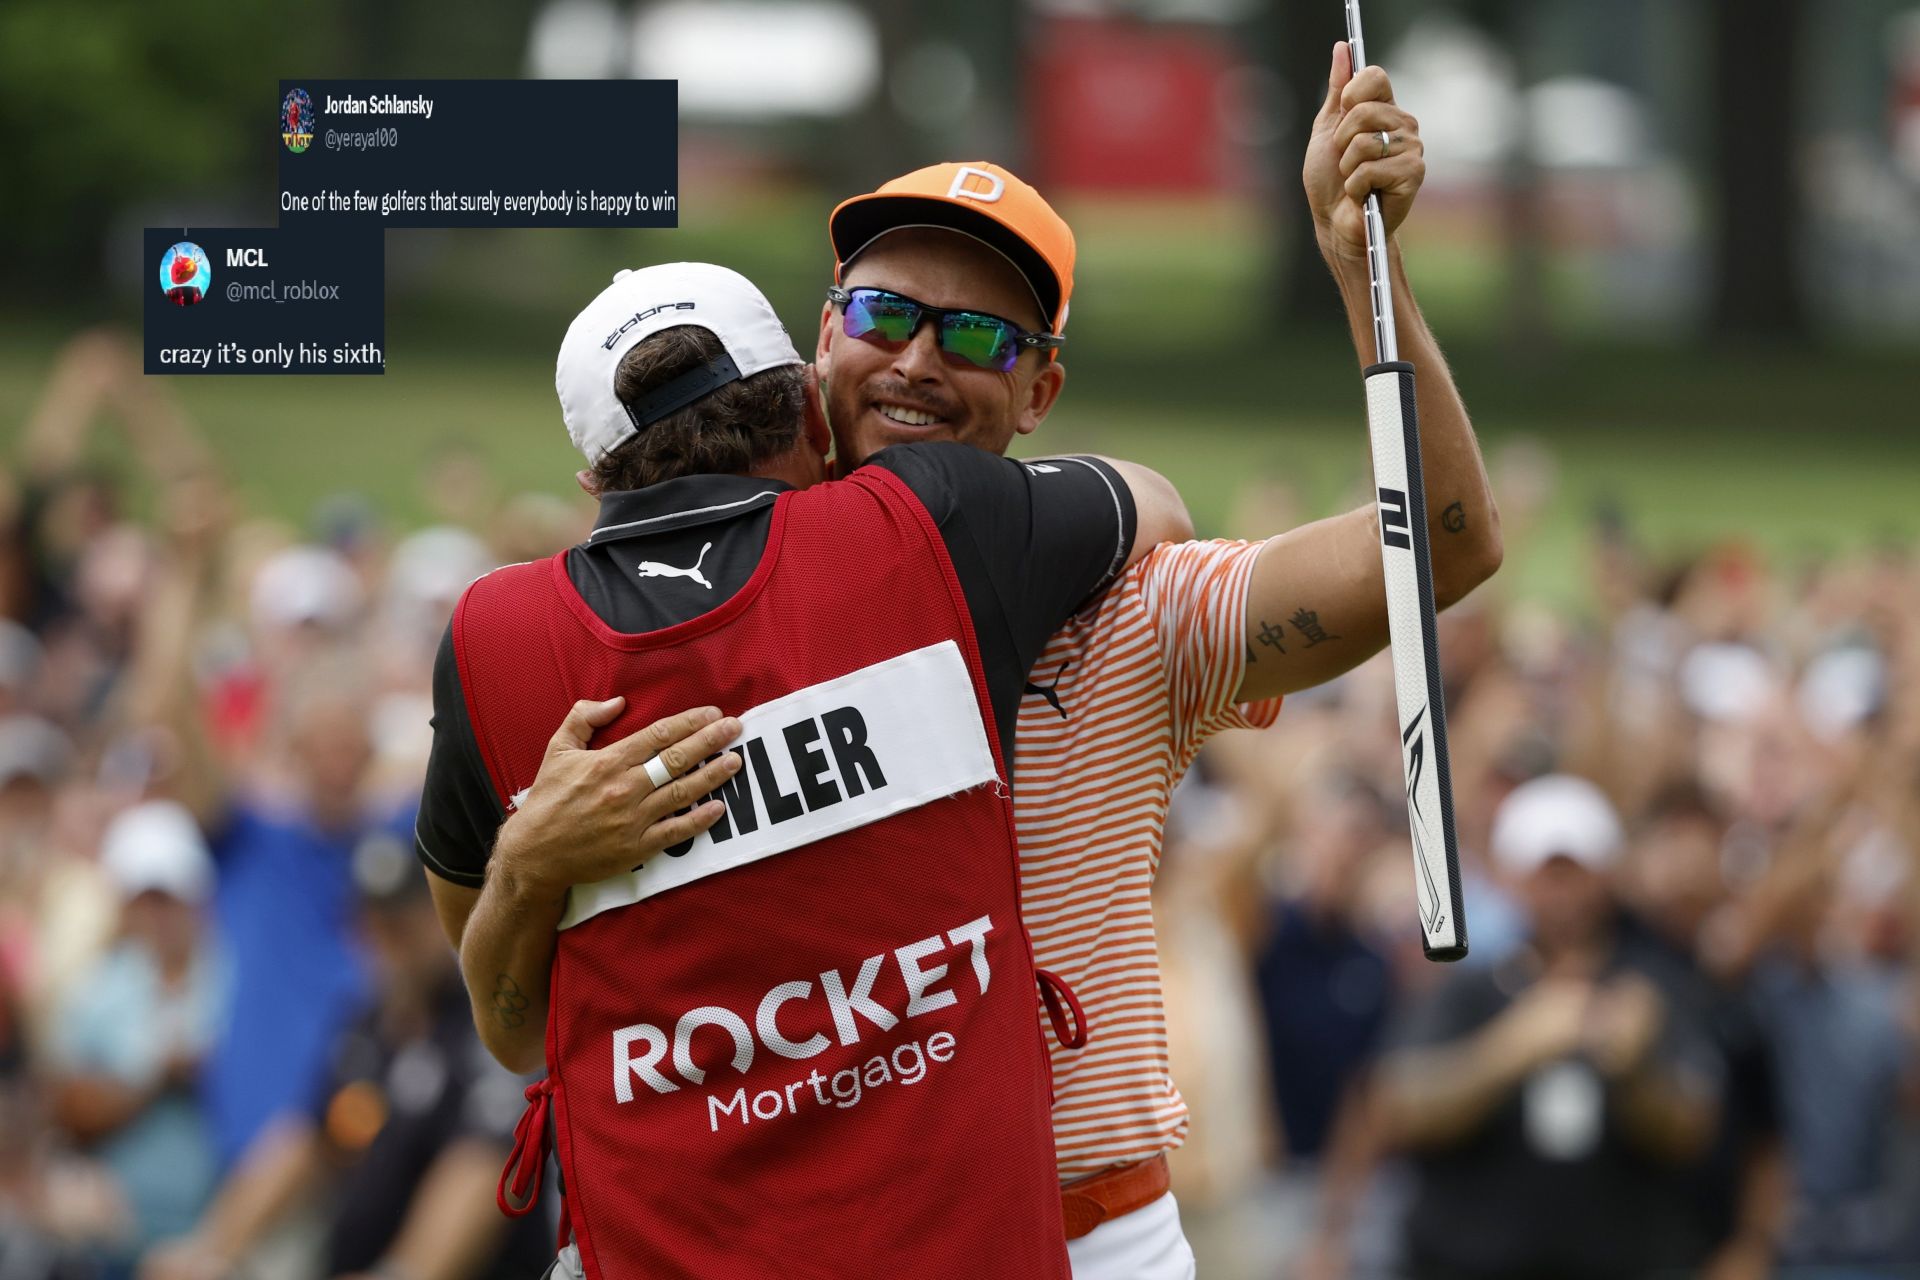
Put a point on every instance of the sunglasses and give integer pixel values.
(971, 337)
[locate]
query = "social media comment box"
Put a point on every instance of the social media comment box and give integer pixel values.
(480, 153)
(264, 300)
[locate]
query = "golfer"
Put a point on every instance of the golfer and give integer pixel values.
(1195, 638)
(789, 1024)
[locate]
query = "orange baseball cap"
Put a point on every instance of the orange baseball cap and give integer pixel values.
(975, 198)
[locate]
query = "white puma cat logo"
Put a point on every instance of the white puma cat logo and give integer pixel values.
(654, 569)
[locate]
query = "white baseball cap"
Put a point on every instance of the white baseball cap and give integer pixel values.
(31, 747)
(639, 304)
(1556, 816)
(306, 584)
(158, 845)
(1727, 683)
(1840, 688)
(434, 565)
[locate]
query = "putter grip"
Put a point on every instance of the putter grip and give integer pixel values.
(1406, 559)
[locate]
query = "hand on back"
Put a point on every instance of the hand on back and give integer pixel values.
(593, 813)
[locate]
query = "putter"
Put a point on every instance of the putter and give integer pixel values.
(1408, 561)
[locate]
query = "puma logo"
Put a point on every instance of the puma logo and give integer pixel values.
(654, 569)
(1051, 692)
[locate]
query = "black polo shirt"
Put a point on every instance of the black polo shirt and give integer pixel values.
(393, 1105)
(1540, 1188)
(1030, 543)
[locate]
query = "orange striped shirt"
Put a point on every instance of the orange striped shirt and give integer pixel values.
(1142, 679)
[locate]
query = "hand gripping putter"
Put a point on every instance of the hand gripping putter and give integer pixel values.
(1408, 560)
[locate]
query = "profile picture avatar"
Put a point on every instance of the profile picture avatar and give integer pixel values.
(185, 273)
(296, 121)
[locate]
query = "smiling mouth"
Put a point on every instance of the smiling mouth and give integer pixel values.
(906, 417)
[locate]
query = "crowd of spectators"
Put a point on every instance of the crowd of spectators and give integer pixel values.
(233, 1038)
(1684, 1042)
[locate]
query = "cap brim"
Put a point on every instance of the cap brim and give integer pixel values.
(860, 221)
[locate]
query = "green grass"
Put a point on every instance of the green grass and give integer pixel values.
(1172, 364)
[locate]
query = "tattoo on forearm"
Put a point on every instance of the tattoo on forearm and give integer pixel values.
(509, 1003)
(1271, 634)
(1307, 623)
(1454, 518)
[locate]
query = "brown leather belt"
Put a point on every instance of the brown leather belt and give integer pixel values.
(1116, 1192)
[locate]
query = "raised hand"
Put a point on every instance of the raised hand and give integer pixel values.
(1347, 157)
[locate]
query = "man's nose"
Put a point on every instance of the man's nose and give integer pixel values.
(920, 359)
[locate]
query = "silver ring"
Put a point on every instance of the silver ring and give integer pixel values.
(657, 770)
(1386, 144)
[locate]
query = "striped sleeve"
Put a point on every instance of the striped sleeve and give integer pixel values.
(1196, 594)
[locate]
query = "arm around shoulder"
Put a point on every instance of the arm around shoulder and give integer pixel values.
(1160, 514)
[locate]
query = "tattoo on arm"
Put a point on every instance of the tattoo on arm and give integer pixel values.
(1307, 623)
(509, 1003)
(1306, 626)
(1454, 518)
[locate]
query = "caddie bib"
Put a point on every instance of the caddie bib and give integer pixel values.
(805, 1043)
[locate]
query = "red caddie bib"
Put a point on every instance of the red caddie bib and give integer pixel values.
(805, 1044)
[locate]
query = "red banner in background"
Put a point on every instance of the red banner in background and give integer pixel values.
(1121, 106)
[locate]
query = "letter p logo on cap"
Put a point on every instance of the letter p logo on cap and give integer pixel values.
(960, 191)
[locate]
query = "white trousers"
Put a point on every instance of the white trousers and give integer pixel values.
(1146, 1244)
(567, 1265)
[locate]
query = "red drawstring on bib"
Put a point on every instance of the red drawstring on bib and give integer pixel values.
(528, 1159)
(1054, 990)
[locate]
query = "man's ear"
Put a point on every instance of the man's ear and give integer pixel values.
(586, 483)
(1041, 394)
(822, 356)
(818, 433)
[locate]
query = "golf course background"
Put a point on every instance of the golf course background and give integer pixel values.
(1174, 361)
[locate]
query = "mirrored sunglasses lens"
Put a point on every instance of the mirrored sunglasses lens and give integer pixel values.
(881, 316)
(979, 340)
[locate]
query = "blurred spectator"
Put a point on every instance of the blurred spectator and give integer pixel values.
(1674, 882)
(284, 810)
(425, 575)
(285, 902)
(403, 1140)
(56, 911)
(126, 1049)
(46, 1214)
(1838, 1022)
(1213, 1034)
(1324, 986)
(19, 666)
(1547, 1101)
(303, 602)
(1325, 983)
(532, 525)
(34, 756)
